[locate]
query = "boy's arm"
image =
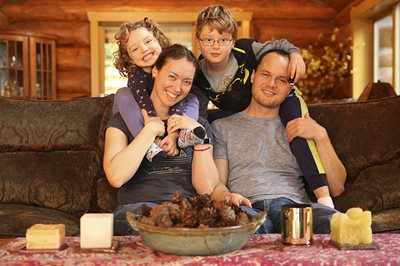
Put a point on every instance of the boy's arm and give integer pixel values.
(283, 44)
(297, 67)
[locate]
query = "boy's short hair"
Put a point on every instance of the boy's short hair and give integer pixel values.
(218, 18)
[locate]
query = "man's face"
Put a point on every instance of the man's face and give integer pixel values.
(214, 46)
(270, 81)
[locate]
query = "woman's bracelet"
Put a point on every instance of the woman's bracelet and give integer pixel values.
(209, 146)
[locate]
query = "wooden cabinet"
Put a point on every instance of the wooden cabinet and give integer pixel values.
(27, 65)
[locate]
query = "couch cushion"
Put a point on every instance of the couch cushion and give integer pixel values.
(51, 151)
(16, 218)
(62, 179)
(387, 221)
(366, 138)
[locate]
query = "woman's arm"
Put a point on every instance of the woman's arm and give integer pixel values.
(204, 171)
(121, 160)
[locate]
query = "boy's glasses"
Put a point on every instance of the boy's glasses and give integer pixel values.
(210, 42)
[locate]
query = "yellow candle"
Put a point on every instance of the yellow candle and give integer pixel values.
(352, 227)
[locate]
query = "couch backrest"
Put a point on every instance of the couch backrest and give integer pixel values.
(366, 137)
(51, 151)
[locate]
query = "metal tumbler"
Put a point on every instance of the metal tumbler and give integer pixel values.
(297, 224)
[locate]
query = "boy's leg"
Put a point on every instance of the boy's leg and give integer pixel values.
(321, 218)
(304, 150)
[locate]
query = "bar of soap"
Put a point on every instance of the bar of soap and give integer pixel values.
(97, 230)
(45, 236)
(352, 227)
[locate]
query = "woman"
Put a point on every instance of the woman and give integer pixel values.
(191, 171)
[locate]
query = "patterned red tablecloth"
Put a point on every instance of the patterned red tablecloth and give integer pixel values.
(260, 250)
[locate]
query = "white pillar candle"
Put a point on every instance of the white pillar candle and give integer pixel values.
(97, 230)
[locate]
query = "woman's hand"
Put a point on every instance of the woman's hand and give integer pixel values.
(154, 123)
(306, 128)
(297, 67)
(176, 122)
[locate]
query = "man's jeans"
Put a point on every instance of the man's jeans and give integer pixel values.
(121, 225)
(321, 215)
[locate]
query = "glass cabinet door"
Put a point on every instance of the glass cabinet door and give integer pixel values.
(27, 65)
(43, 69)
(14, 66)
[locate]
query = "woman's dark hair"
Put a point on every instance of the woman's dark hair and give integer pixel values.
(175, 51)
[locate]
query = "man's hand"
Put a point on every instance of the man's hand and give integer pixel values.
(306, 128)
(237, 199)
(297, 67)
(155, 123)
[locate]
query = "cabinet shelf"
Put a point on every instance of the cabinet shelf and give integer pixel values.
(27, 65)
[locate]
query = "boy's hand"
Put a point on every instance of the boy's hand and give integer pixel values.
(297, 67)
(155, 123)
(168, 144)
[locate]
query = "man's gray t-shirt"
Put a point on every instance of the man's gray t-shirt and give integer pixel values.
(261, 165)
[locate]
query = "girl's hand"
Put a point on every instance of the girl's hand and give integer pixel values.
(154, 123)
(176, 122)
(297, 67)
(168, 144)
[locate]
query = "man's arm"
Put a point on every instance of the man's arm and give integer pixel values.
(221, 192)
(309, 129)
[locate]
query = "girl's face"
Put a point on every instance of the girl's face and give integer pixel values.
(173, 81)
(143, 49)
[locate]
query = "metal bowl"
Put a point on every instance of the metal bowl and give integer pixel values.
(196, 241)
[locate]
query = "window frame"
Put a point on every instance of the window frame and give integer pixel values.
(363, 17)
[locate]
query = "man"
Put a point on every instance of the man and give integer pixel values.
(252, 151)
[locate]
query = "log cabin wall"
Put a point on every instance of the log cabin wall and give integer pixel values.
(298, 21)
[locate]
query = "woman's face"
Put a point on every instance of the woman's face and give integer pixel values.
(143, 48)
(173, 81)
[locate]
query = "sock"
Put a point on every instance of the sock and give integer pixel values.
(189, 137)
(327, 201)
(155, 153)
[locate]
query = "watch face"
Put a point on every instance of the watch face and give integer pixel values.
(206, 141)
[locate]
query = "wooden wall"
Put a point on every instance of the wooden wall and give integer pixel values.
(298, 21)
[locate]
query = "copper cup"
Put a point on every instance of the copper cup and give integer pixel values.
(297, 224)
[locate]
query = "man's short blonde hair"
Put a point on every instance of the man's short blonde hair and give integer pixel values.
(218, 18)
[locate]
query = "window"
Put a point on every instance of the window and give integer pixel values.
(178, 26)
(376, 44)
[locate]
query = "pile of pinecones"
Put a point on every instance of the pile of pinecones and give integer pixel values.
(197, 211)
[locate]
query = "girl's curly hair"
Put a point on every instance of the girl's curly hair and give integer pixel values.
(122, 60)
